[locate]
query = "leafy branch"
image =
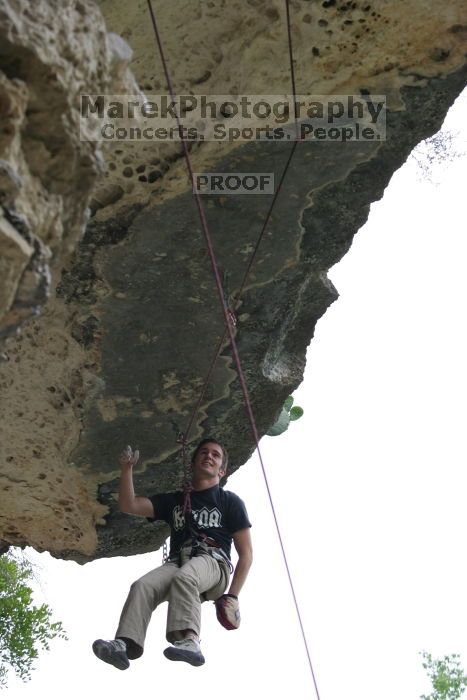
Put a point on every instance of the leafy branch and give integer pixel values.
(24, 627)
(446, 676)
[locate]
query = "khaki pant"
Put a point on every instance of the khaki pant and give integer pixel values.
(201, 578)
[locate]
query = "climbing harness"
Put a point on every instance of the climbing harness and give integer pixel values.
(229, 312)
(198, 545)
(197, 542)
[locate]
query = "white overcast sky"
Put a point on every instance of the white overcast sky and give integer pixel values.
(369, 487)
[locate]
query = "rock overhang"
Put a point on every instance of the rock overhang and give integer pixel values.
(136, 316)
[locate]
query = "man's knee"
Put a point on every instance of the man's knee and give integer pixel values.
(183, 578)
(153, 580)
(142, 587)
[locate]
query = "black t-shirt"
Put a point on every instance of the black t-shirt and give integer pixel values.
(216, 513)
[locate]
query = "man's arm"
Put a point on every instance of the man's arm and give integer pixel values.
(244, 547)
(127, 501)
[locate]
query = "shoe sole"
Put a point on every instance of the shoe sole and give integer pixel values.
(174, 654)
(109, 657)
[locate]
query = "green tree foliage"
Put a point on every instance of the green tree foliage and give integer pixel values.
(446, 676)
(24, 627)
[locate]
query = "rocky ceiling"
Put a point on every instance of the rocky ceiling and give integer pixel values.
(108, 309)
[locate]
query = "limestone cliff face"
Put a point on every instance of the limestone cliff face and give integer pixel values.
(50, 53)
(120, 351)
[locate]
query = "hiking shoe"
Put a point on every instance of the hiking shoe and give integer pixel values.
(112, 652)
(186, 650)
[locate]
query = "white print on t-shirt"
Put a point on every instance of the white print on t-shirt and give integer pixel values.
(204, 517)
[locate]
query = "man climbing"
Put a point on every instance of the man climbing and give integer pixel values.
(198, 567)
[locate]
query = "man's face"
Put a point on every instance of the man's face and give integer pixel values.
(208, 461)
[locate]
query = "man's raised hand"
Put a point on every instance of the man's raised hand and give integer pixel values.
(128, 458)
(127, 500)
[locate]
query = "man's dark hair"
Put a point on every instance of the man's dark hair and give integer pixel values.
(225, 455)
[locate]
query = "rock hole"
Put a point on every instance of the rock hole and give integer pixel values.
(154, 175)
(272, 14)
(439, 54)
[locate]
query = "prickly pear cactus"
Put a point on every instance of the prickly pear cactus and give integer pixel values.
(288, 413)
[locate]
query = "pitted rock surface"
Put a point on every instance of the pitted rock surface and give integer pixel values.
(120, 353)
(50, 53)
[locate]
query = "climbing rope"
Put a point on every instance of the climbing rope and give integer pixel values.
(187, 487)
(251, 260)
(239, 295)
(227, 312)
(292, 69)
